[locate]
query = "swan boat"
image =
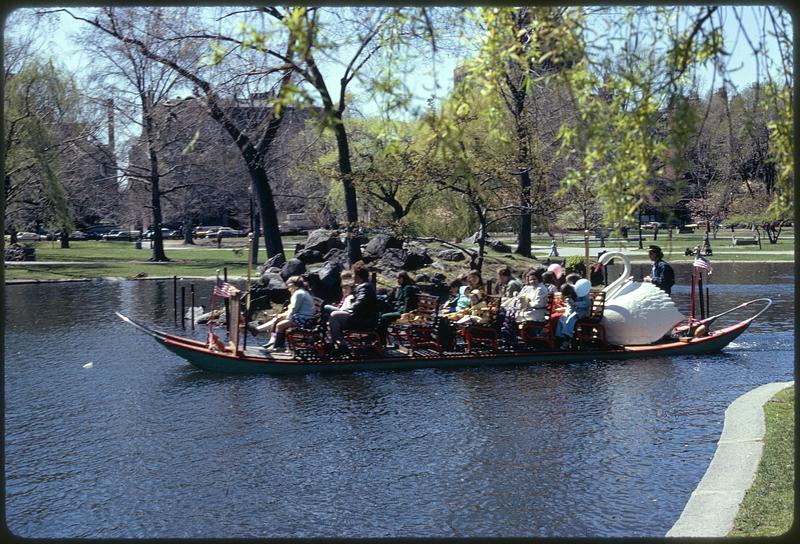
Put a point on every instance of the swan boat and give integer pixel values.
(691, 337)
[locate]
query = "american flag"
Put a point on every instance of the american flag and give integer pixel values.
(225, 290)
(702, 262)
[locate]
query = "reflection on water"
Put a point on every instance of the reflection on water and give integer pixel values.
(143, 445)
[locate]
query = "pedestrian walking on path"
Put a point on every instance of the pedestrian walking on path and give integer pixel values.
(553, 248)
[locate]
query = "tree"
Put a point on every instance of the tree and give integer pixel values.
(368, 33)
(141, 84)
(254, 145)
(39, 102)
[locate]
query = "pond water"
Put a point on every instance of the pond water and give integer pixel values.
(143, 445)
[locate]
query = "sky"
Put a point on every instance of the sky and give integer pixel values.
(58, 39)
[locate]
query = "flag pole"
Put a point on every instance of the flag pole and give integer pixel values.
(247, 285)
(691, 313)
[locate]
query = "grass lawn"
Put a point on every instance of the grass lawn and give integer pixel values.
(768, 506)
(89, 259)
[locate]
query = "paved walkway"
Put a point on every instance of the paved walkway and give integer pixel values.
(713, 506)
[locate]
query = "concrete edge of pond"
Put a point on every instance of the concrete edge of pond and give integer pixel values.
(715, 502)
(112, 278)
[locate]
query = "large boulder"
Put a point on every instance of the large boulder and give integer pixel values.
(277, 261)
(323, 240)
(394, 259)
(293, 267)
(272, 288)
(451, 255)
(308, 256)
(380, 243)
(477, 236)
(500, 247)
(325, 281)
(338, 256)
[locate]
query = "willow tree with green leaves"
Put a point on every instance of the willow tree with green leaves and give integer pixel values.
(39, 101)
(520, 52)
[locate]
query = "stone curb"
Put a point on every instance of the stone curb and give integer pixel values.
(713, 506)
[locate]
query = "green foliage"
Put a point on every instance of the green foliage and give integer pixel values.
(574, 263)
(39, 101)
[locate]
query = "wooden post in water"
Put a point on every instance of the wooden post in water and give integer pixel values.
(191, 288)
(175, 298)
(183, 306)
(700, 289)
(225, 273)
(249, 268)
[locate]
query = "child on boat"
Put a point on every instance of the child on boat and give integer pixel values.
(578, 305)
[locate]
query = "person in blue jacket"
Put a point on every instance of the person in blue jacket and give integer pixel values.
(661, 275)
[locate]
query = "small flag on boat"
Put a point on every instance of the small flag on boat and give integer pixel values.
(225, 290)
(702, 262)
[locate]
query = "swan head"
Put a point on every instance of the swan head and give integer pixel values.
(606, 257)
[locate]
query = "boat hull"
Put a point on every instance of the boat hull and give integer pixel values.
(251, 362)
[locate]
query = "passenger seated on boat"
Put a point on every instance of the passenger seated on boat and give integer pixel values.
(363, 314)
(531, 303)
(576, 307)
(346, 300)
(300, 313)
(549, 281)
(572, 277)
(509, 285)
(405, 300)
(458, 297)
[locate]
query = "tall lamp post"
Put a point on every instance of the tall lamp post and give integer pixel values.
(640, 229)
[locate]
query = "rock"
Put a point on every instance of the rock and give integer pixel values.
(277, 261)
(336, 255)
(324, 281)
(380, 243)
(293, 267)
(270, 287)
(308, 256)
(394, 259)
(439, 277)
(500, 247)
(323, 240)
(475, 237)
(361, 239)
(422, 278)
(451, 255)
(298, 248)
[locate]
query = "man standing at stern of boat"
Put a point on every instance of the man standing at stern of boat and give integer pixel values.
(661, 275)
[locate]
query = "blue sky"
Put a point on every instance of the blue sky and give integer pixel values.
(422, 82)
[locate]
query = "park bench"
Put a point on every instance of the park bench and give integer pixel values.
(745, 242)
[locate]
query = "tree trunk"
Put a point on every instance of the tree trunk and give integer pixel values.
(524, 238)
(187, 231)
(155, 202)
(64, 239)
(256, 237)
(266, 205)
(13, 234)
(350, 200)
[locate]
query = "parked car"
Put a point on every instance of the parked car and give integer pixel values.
(77, 235)
(227, 232)
(202, 232)
(118, 235)
(96, 232)
(165, 233)
(29, 236)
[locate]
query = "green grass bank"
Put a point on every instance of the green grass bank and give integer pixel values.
(93, 259)
(768, 506)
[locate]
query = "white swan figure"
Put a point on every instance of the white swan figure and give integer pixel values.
(636, 313)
